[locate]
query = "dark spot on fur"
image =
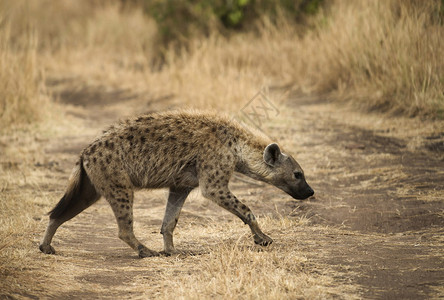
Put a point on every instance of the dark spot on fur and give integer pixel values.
(118, 186)
(225, 131)
(222, 198)
(230, 143)
(221, 192)
(213, 129)
(94, 159)
(142, 139)
(160, 138)
(130, 137)
(212, 194)
(228, 196)
(123, 217)
(243, 206)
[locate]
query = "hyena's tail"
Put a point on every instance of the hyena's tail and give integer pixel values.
(79, 195)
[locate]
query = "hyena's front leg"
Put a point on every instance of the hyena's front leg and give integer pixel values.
(121, 202)
(223, 197)
(176, 198)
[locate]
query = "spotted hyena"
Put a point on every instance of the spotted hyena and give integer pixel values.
(179, 151)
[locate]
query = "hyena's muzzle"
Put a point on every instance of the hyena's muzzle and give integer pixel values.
(302, 191)
(298, 190)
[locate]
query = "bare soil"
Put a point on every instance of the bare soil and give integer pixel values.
(389, 196)
(379, 192)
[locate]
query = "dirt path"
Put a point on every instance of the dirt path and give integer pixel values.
(376, 219)
(384, 187)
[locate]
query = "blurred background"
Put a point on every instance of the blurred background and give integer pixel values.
(378, 55)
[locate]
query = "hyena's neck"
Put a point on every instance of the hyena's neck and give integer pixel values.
(250, 159)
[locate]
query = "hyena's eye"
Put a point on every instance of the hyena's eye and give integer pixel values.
(298, 175)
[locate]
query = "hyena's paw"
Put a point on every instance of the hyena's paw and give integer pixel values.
(47, 249)
(262, 239)
(145, 252)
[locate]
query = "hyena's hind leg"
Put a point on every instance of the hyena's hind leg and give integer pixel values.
(121, 202)
(176, 198)
(80, 195)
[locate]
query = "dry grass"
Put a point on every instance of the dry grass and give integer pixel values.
(235, 271)
(382, 54)
(22, 98)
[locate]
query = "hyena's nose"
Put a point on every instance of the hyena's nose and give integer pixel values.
(310, 192)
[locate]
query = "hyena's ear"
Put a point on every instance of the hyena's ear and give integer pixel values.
(271, 154)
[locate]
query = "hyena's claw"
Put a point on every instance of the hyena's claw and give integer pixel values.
(47, 249)
(145, 252)
(164, 253)
(263, 240)
(177, 252)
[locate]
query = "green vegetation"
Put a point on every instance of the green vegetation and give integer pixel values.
(179, 20)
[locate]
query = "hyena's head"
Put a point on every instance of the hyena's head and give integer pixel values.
(286, 174)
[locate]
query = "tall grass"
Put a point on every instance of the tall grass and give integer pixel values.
(21, 97)
(381, 55)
